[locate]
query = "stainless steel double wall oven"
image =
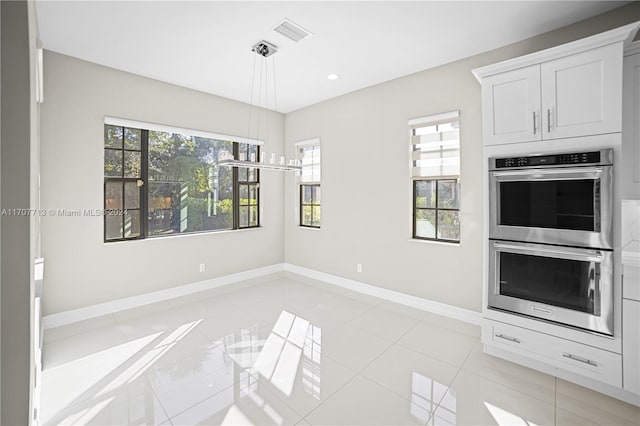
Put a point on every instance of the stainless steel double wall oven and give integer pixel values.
(550, 237)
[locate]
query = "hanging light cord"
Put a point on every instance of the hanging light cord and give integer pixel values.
(275, 104)
(266, 98)
(260, 98)
(263, 80)
(253, 81)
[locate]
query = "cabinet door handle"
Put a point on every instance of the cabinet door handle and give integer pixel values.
(548, 120)
(509, 338)
(580, 359)
(534, 122)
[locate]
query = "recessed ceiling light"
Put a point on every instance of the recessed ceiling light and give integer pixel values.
(333, 76)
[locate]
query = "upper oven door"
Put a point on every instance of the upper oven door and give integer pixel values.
(569, 206)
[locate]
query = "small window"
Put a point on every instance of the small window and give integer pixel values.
(310, 205)
(308, 154)
(435, 158)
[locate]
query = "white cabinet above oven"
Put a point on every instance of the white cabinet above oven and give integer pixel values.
(567, 91)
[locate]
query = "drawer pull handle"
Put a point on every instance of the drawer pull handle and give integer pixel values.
(509, 338)
(580, 359)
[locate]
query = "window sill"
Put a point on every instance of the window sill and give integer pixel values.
(440, 243)
(188, 235)
(309, 228)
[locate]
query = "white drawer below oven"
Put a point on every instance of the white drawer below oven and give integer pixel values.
(597, 364)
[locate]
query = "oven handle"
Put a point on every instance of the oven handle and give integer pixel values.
(541, 173)
(593, 256)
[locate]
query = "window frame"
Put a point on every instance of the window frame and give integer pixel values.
(237, 183)
(435, 209)
(144, 134)
(312, 204)
(301, 145)
(415, 178)
(144, 178)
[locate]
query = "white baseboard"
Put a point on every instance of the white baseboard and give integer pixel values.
(451, 311)
(75, 315)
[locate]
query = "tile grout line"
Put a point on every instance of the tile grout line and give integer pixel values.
(453, 380)
(492, 380)
(328, 397)
(358, 373)
(395, 342)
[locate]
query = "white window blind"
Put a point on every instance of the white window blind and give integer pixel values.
(308, 152)
(435, 146)
(115, 121)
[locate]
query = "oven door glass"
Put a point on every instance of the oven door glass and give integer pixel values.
(559, 204)
(566, 283)
(572, 286)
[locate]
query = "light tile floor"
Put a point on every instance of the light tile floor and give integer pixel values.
(287, 350)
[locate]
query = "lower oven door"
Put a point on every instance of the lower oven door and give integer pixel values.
(570, 286)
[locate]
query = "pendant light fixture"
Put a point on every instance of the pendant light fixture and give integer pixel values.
(263, 50)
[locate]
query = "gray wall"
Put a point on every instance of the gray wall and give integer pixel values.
(19, 165)
(366, 190)
(82, 270)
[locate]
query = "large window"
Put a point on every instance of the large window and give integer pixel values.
(435, 157)
(160, 183)
(308, 153)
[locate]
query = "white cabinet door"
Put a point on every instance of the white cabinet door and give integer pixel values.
(631, 345)
(582, 93)
(631, 128)
(511, 106)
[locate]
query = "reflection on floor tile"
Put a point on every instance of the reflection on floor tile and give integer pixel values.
(566, 418)
(244, 403)
(533, 383)
(384, 323)
(596, 407)
(411, 375)
(353, 347)
(81, 345)
(288, 350)
(404, 310)
(75, 328)
(362, 402)
(438, 342)
(473, 400)
(471, 330)
(133, 403)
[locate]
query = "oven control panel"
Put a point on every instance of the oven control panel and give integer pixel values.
(549, 160)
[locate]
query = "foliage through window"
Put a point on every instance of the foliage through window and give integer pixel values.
(310, 205)
(435, 156)
(170, 183)
(308, 153)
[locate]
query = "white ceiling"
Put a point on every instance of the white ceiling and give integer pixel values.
(205, 45)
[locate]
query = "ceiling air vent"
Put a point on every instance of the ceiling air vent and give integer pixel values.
(292, 31)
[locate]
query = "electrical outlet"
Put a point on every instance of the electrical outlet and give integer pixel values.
(359, 267)
(202, 267)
